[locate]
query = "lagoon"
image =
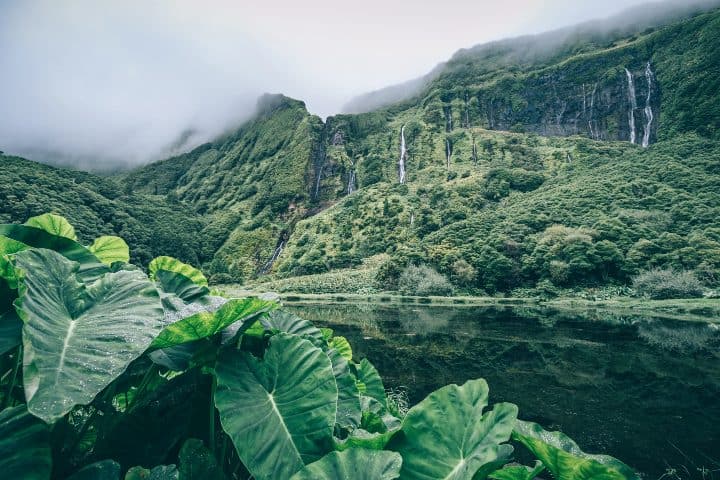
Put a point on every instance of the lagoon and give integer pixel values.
(645, 390)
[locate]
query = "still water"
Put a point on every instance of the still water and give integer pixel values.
(644, 390)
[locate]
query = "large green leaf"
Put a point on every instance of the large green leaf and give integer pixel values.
(348, 407)
(171, 264)
(8, 246)
(53, 224)
(24, 446)
(279, 410)
(102, 470)
(109, 249)
(369, 382)
(376, 428)
(353, 464)
(447, 435)
(197, 462)
(161, 472)
(564, 459)
(206, 324)
(90, 267)
(79, 337)
(518, 472)
(342, 346)
(181, 286)
(10, 331)
(283, 321)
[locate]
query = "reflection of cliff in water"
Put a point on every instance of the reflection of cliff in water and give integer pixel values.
(623, 385)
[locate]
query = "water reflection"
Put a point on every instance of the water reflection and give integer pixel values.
(642, 389)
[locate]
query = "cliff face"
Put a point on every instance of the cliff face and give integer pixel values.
(563, 102)
(609, 88)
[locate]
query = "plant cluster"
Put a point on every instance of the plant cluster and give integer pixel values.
(109, 373)
(662, 284)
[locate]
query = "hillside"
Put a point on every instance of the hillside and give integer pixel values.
(97, 206)
(582, 161)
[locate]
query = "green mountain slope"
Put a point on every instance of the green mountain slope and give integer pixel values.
(96, 206)
(252, 185)
(524, 163)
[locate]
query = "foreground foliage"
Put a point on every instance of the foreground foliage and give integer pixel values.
(108, 373)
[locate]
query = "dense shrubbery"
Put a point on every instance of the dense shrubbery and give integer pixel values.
(108, 374)
(663, 284)
(423, 280)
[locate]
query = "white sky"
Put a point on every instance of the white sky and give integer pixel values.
(117, 81)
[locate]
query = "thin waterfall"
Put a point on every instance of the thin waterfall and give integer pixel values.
(474, 152)
(649, 117)
(633, 105)
(317, 182)
(403, 156)
(448, 152)
(351, 182)
(593, 135)
(275, 256)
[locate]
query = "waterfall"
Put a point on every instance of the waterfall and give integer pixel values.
(633, 104)
(317, 182)
(275, 255)
(351, 182)
(649, 117)
(474, 152)
(593, 134)
(448, 152)
(403, 156)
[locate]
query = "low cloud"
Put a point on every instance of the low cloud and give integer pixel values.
(114, 84)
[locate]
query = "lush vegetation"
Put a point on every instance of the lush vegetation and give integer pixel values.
(152, 225)
(521, 178)
(108, 373)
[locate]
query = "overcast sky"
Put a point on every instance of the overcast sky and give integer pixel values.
(108, 81)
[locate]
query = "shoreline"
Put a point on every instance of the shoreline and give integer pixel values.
(697, 309)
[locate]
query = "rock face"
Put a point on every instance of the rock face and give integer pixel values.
(567, 100)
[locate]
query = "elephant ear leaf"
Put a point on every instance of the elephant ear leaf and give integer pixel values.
(8, 246)
(24, 445)
(285, 402)
(348, 407)
(353, 464)
(369, 382)
(564, 459)
(162, 472)
(342, 346)
(518, 472)
(206, 324)
(54, 224)
(74, 343)
(171, 264)
(109, 249)
(448, 436)
(283, 321)
(90, 267)
(102, 470)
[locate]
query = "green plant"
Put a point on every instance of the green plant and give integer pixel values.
(423, 280)
(667, 283)
(111, 372)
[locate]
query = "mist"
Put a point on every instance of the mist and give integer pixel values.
(115, 84)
